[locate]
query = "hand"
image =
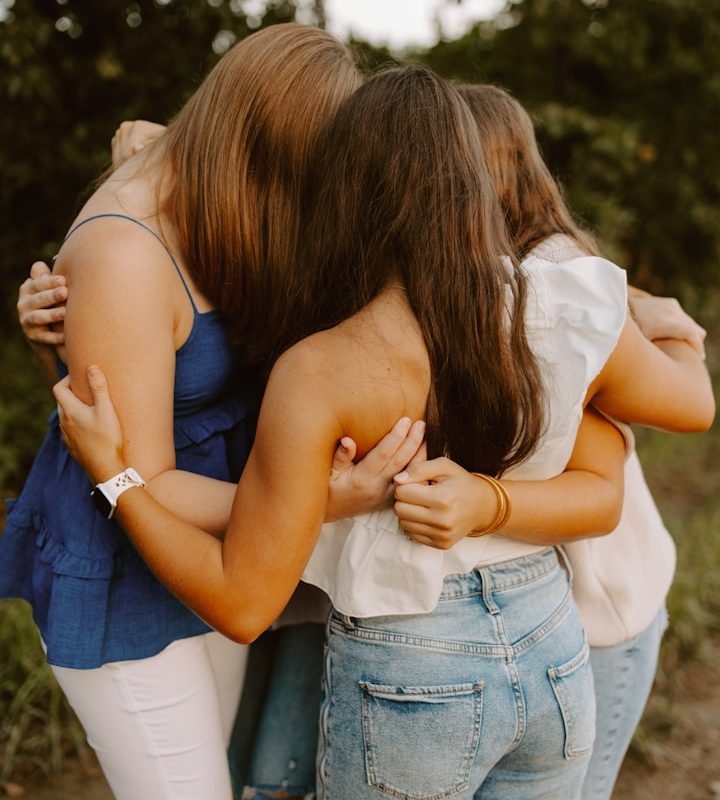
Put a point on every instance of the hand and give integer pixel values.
(438, 502)
(130, 138)
(664, 318)
(92, 433)
(41, 306)
(367, 485)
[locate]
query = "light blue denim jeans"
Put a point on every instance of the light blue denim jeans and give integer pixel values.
(489, 696)
(623, 677)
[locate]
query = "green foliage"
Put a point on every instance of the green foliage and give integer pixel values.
(37, 728)
(626, 95)
(23, 412)
(70, 72)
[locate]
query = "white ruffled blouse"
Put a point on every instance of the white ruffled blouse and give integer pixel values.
(575, 313)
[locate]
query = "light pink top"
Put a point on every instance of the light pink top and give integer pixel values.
(621, 580)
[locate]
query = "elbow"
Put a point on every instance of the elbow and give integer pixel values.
(699, 419)
(609, 511)
(700, 410)
(705, 417)
(609, 521)
(240, 628)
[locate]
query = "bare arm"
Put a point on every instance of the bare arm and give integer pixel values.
(664, 384)
(664, 318)
(240, 585)
(438, 502)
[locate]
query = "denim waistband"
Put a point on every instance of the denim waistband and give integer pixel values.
(501, 576)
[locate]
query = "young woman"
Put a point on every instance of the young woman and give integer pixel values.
(620, 581)
(153, 257)
(434, 684)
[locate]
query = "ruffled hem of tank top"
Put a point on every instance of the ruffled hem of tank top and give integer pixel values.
(76, 636)
(199, 427)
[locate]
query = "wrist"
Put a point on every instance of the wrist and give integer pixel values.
(500, 507)
(107, 469)
(106, 494)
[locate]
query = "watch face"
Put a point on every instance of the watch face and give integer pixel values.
(103, 505)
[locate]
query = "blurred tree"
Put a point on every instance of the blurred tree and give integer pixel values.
(70, 71)
(626, 94)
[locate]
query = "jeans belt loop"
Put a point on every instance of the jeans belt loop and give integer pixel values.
(486, 583)
(347, 621)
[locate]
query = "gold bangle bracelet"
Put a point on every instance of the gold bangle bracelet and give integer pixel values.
(504, 507)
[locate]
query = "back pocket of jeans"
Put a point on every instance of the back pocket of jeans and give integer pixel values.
(572, 683)
(420, 741)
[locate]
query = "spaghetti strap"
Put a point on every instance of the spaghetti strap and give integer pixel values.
(150, 231)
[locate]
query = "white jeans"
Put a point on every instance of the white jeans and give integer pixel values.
(160, 726)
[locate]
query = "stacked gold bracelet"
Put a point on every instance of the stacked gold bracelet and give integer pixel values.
(504, 507)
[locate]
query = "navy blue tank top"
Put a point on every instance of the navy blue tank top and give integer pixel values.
(93, 598)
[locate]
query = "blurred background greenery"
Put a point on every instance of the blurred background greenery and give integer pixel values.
(626, 97)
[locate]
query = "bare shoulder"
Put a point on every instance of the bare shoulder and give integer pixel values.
(110, 245)
(312, 362)
(366, 372)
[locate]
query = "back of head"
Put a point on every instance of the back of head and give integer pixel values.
(238, 153)
(403, 194)
(531, 199)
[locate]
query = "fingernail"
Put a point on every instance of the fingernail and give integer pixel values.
(421, 424)
(401, 477)
(60, 293)
(403, 423)
(345, 443)
(93, 371)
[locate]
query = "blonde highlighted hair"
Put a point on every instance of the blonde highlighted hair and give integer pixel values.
(237, 157)
(529, 195)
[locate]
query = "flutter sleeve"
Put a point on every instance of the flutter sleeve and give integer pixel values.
(576, 312)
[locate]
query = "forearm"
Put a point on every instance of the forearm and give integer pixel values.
(196, 499)
(239, 585)
(186, 559)
(575, 505)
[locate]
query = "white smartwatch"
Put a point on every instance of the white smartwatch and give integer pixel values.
(105, 495)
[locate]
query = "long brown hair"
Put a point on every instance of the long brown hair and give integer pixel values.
(237, 155)
(403, 194)
(531, 198)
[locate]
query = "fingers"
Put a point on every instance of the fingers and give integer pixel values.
(61, 391)
(413, 513)
(408, 449)
(417, 494)
(37, 305)
(422, 471)
(425, 534)
(379, 457)
(344, 455)
(43, 289)
(97, 383)
(131, 137)
(40, 269)
(40, 315)
(421, 454)
(53, 338)
(420, 539)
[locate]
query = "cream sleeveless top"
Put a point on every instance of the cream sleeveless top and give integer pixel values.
(575, 313)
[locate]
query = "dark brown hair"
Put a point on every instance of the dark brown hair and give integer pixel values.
(237, 155)
(403, 194)
(531, 198)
